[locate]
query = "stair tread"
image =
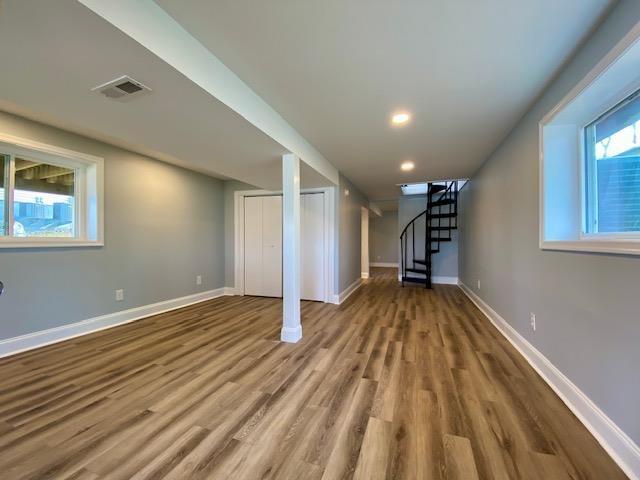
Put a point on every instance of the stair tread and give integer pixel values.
(440, 228)
(444, 215)
(416, 270)
(444, 201)
(421, 261)
(437, 188)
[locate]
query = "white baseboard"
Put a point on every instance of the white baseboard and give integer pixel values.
(338, 299)
(11, 346)
(230, 291)
(383, 264)
(291, 335)
(618, 445)
(445, 280)
(364, 275)
(438, 280)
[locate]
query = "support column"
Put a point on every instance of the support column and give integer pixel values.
(364, 243)
(291, 327)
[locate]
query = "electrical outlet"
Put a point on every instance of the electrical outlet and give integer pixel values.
(199, 280)
(533, 321)
(478, 284)
(119, 295)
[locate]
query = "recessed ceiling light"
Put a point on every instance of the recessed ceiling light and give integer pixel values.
(407, 166)
(400, 118)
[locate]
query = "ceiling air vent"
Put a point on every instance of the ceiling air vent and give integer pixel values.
(122, 89)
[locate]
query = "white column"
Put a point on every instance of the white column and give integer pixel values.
(364, 246)
(291, 328)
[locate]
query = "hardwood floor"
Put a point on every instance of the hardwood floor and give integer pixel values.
(395, 383)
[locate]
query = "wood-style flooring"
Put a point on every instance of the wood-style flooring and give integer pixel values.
(394, 383)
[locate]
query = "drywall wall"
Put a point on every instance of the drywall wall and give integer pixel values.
(383, 238)
(163, 226)
(445, 262)
(349, 201)
(586, 305)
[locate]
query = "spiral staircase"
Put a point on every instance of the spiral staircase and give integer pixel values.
(422, 237)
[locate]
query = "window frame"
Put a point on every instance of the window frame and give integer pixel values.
(563, 154)
(589, 180)
(88, 193)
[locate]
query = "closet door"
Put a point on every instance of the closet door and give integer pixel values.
(312, 247)
(272, 246)
(253, 245)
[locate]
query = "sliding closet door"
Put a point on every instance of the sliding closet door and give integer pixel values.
(312, 247)
(272, 246)
(253, 245)
(263, 246)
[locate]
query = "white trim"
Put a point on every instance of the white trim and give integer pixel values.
(364, 242)
(47, 242)
(291, 334)
(50, 151)
(238, 235)
(594, 246)
(617, 443)
(229, 291)
(346, 293)
(611, 237)
(89, 211)
(603, 65)
(438, 280)
(11, 346)
(445, 280)
(621, 244)
(10, 191)
(383, 264)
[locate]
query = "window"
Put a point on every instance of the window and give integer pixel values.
(590, 159)
(3, 204)
(612, 146)
(50, 196)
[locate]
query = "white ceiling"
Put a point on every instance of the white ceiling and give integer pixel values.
(336, 69)
(53, 53)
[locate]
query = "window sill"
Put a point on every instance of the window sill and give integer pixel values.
(48, 243)
(616, 247)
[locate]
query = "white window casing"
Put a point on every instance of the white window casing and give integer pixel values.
(88, 193)
(563, 196)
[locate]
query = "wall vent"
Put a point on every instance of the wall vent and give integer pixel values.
(122, 89)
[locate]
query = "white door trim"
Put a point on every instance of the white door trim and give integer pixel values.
(364, 242)
(238, 234)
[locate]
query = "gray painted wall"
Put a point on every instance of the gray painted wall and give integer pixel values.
(348, 233)
(586, 305)
(163, 226)
(383, 238)
(445, 262)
